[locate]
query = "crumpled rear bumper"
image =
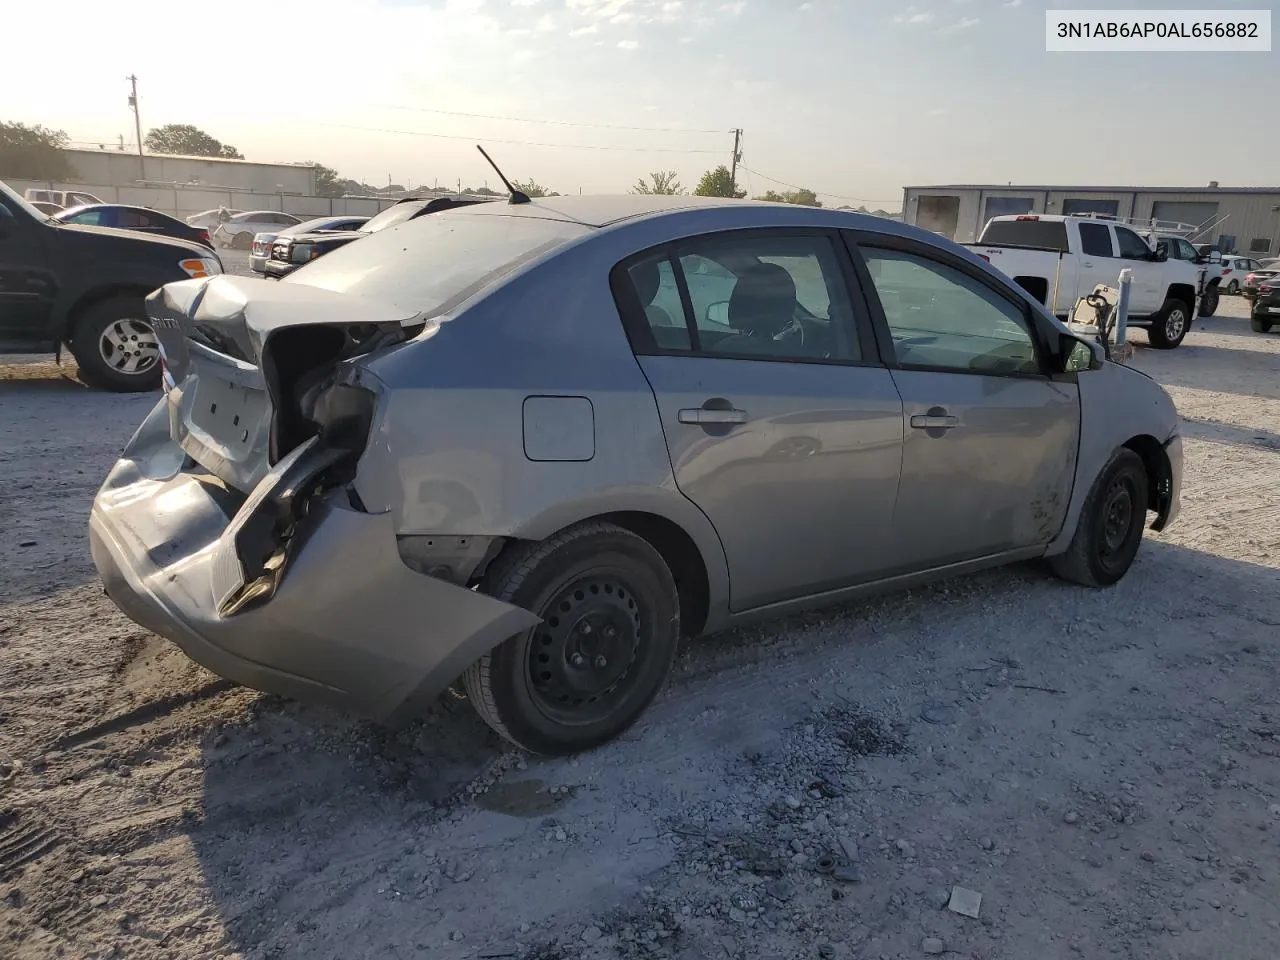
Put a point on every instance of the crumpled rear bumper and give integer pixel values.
(349, 625)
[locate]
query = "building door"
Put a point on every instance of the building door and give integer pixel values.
(1073, 207)
(939, 214)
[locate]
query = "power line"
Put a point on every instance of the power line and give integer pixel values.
(523, 143)
(556, 123)
(837, 196)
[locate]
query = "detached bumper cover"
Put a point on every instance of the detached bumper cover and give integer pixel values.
(349, 626)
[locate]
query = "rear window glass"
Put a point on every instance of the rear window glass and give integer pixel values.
(1027, 233)
(433, 263)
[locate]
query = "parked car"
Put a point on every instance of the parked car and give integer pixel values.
(1256, 277)
(121, 217)
(212, 219)
(260, 252)
(239, 230)
(44, 206)
(1062, 258)
(63, 283)
(63, 198)
(293, 250)
(1234, 270)
(1265, 312)
(1176, 247)
(514, 438)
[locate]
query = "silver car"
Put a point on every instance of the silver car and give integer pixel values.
(260, 251)
(238, 231)
(533, 445)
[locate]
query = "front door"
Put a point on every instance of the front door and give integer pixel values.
(780, 425)
(990, 440)
(26, 286)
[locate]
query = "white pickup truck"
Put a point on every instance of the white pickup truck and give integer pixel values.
(1060, 259)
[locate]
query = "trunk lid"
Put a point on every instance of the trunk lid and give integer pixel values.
(243, 358)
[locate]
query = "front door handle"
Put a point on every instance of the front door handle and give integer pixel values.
(1090, 265)
(934, 422)
(705, 415)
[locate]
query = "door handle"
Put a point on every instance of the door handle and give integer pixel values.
(703, 415)
(934, 422)
(1090, 265)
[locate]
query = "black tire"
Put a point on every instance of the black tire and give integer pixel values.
(1109, 531)
(1169, 327)
(556, 689)
(1261, 324)
(1209, 302)
(115, 346)
(1233, 288)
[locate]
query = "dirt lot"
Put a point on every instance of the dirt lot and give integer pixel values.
(1100, 766)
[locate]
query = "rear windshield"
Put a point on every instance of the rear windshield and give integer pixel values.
(1027, 233)
(433, 263)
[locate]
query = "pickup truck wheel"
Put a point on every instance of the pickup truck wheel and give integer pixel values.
(1109, 530)
(1209, 302)
(1260, 324)
(610, 625)
(116, 348)
(1233, 287)
(1169, 326)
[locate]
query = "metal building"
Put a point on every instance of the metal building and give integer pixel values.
(1242, 220)
(123, 169)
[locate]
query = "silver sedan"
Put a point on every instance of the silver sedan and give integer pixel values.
(534, 445)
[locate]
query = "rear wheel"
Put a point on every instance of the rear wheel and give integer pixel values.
(610, 626)
(242, 241)
(1261, 324)
(1109, 531)
(1169, 327)
(116, 347)
(1209, 302)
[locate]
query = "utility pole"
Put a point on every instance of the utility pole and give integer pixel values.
(737, 155)
(137, 124)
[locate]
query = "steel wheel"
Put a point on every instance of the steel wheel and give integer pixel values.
(1116, 523)
(584, 650)
(129, 346)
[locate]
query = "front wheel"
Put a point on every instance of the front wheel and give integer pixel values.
(1233, 287)
(1169, 327)
(610, 626)
(1109, 530)
(116, 347)
(1209, 302)
(1261, 324)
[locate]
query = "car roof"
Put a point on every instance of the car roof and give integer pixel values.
(601, 210)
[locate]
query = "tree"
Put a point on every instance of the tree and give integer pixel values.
(718, 183)
(661, 183)
(803, 197)
(533, 189)
(190, 141)
(328, 183)
(33, 153)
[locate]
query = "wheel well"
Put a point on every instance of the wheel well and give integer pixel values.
(682, 557)
(1038, 287)
(1159, 473)
(91, 298)
(1184, 292)
(1216, 281)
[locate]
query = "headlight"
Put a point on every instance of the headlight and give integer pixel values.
(198, 267)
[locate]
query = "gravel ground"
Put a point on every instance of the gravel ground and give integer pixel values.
(1100, 766)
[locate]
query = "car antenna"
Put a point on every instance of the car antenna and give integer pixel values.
(517, 196)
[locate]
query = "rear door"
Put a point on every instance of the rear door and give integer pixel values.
(27, 286)
(781, 424)
(990, 439)
(1097, 258)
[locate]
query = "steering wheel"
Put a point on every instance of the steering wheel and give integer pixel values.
(794, 329)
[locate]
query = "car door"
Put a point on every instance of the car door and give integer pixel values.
(781, 425)
(27, 286)
(1148, 287)
(990, 438)
(1097, 259)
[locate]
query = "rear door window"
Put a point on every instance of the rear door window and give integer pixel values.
(1095, 240)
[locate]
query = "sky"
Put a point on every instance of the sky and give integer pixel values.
(853, 99)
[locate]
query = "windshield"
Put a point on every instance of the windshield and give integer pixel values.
(1051, 234)
(432, 264)
(393, 215)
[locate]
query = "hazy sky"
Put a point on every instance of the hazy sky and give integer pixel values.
(853, 97)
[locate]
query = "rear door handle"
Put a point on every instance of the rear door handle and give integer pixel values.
(1087, 265)
(704, 415)
(934, 422)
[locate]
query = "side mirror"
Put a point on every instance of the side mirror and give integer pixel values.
(1076, 354)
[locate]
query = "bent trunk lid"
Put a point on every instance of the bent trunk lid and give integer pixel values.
(223, 382)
